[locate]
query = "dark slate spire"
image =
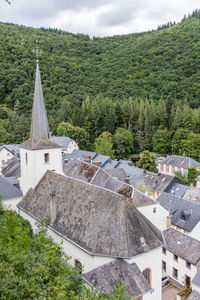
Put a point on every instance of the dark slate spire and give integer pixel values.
(39, 122)
(39, 133)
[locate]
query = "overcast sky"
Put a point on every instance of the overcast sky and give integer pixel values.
(96, 17)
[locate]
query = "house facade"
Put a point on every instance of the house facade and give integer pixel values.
(180, 257)
(176, 163)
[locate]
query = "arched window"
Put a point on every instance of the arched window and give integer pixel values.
(147, 274)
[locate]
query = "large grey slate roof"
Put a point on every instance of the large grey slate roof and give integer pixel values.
(194, 295)
(196, 279)
(97, 176)
(184, 214)
(156, 181)
(104, 278)
(182, 245)
(12, 168)
(98, 220)
(180, 161)
(7, 190)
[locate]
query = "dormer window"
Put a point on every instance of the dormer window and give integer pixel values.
(46, 158)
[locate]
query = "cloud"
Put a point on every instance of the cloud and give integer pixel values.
(96, 17)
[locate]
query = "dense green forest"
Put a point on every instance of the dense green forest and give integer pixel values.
(146, 83)
(32, 266)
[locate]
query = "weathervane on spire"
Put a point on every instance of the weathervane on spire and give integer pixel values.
(37, 51)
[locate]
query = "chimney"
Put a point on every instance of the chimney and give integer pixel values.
(96, 163)
(169, 221)
(87, 158)
(52, 207)
(130, 200)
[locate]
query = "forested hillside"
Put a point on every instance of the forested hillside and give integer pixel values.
(147, 83)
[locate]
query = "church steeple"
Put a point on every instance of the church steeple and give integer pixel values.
(39, 121)
(38, 154)
(39, 133)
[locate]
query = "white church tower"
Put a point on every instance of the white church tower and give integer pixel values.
(38, 154)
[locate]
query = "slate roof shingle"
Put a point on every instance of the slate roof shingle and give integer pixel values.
(98, 220)
(7, 190)
(105, 277)
(182, 245)
(184, 214)
(195, 295)
(180, 161)
(12, 168)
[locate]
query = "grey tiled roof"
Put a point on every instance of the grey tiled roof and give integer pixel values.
(192, 194)
(97, 176)
(156, 181)
(38, 144)
(104, 278)
(177, 189)
(7, 190)
(117, 173)
(194, 295)
(14, 148)
(182, 245)
(98, 220)
(139, 199)
(180, 161)
(12, 168)
(184, 214)
(63, 141)
(196, 279)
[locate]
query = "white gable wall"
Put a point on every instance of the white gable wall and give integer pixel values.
(11, 203)
(35, 167)
(4, 156)
(151, 260)
(156, 214)
(71, 147)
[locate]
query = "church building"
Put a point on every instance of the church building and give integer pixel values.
(99, 228)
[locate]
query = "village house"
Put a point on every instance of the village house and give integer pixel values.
(10, 195)
(153, 184)
(174, 163)
(183, 215)
(68, 145)
(7, 152)
(180, 257)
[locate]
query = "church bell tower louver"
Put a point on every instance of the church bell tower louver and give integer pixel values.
(38, 154)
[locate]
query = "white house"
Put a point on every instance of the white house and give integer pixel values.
(68, 145)
(7, 152)
(98, 226)
(181, 256)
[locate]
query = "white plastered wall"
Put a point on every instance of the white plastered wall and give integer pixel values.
(34, 169)
(156, 214)
(152, 260)
(4, 156)
(180, 265)
(71, 147)
(11, 203)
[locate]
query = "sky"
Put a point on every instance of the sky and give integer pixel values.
(96, 17)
